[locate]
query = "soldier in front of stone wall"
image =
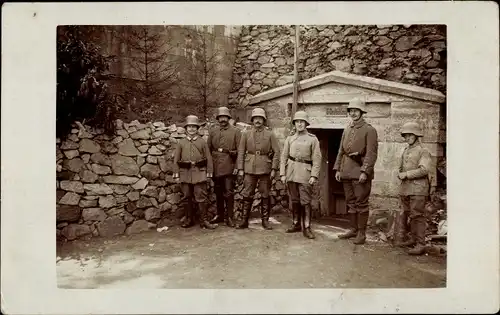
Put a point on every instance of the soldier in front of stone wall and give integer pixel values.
(258, 159)
(299, 169)
(354, 168)
(223, 142)
(415, 175)
(192, 168)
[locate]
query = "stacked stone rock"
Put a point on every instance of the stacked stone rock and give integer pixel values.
(122, 184)
(410, 54)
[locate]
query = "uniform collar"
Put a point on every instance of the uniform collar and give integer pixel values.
(258, 129)
(357, 124)
(192, 138)
(224, 128)
(416, 144)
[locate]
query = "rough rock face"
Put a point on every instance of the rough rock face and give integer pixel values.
(412, 54)
(104, 192)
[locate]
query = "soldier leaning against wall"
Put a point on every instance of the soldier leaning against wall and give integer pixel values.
(258, 159)
(417, 183)
(192, 168)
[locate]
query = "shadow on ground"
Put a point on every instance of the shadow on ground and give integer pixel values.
(252, 258)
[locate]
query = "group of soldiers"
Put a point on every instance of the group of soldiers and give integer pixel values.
(254, 157)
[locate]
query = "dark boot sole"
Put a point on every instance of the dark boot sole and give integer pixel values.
(347, 236)
(359, 242)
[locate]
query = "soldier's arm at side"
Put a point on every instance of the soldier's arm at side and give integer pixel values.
(177, 157)
(316, 158)
(208, 156)
(276, 149)
(284, 157)
(241, 151)
(237, 138)
(209, 140)
(340, 154)
(371, 151)
(423, 167)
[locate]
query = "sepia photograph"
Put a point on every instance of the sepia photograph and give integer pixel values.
(252, 156)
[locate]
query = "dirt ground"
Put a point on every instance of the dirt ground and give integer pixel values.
(251, 258)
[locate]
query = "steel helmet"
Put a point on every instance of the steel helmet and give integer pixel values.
(192, 120)
(301, 115)
(412, 127)
(358, 104)
(223, 111)
(258, 112)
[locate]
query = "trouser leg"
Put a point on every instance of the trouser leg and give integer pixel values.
(418, 223)
(248, 192)
(293, 193)
(187, 204)
(351, 210)
(219, 196)
(362, 192)
(264, 187)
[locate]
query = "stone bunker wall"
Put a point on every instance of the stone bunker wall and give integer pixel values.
(122, 184)
(412, 54)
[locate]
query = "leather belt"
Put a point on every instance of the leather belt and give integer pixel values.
(258, 152)
(300, 160)
(222, 150)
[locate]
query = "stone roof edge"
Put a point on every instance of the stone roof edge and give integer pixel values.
(355, 80)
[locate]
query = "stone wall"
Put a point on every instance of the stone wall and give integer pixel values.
(412, 54)
(122, 184)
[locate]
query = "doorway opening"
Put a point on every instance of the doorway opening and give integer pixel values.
(330, 193)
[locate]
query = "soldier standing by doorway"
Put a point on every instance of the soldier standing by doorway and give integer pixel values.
(414, 173)
(299, 169)
(223, 142)
(192, 168)
(354, 168)
(258, 159)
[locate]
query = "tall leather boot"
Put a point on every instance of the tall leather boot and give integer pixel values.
(296, 218)
(188, 209)
(362, 222)
(353, 231)
(219, 217)
(419, 226)
(403, 231)
(265, 209)
(204, 223)
(307, 222)
(230, 211)
(247, 205)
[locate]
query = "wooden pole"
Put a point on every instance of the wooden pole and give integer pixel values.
(296, 71)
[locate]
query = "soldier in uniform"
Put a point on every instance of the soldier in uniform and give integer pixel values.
(223, 142)
(299, 169)
(415, 175)
(258, 159)
(354, 168)
(192, 167)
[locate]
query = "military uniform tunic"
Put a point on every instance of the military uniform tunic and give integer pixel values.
(223, 144)
(358, 137)
(193, 180)
(300, 146)
(416, 162)
(258, 154)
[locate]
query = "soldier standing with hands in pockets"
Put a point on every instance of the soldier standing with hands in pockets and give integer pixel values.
(299, 170)
(192, 168)
(354, 168)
